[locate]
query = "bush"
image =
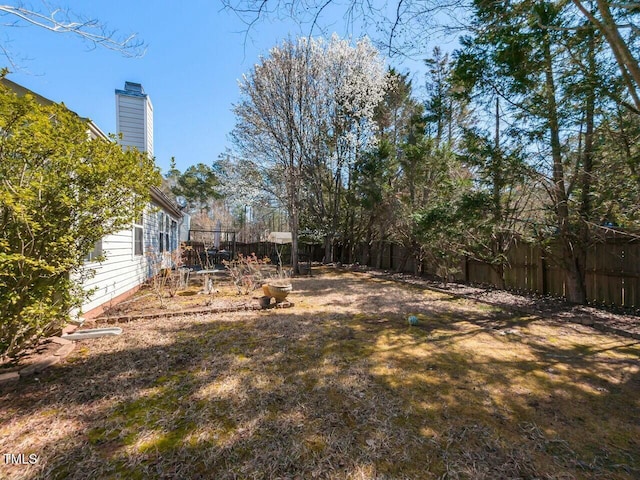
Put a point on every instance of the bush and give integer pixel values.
(246, 272)
(60, 192)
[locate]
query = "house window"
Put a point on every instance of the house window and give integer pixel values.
(167, 224)
(174, 235)
(138, 238)
(160, 232)
(94, 254)
(163, 232)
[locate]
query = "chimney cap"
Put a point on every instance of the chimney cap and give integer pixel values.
(132, 89)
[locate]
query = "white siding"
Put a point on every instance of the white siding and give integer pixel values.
(131, 121)
(184, 229)
(149, 126)
(121, 270)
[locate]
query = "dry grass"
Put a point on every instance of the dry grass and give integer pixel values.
(146, 300)
(340, 386)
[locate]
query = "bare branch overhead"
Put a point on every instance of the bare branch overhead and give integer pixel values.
(91, 30)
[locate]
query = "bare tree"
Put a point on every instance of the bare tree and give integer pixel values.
(306, 115)
(277, 120)
(64, 21)
(353, 80)
(406, 27)
(402, 27)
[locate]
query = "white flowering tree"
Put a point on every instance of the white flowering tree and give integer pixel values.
(354, 78)
(306, 111)
(276, 124)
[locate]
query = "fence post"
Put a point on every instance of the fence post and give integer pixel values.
(542, 272)
(465, 267)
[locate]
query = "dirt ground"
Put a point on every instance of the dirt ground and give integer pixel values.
(550, 307)
(338, 386)
(151, 301)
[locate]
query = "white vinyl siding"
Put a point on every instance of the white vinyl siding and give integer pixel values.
(135, 122)
(130, 119)
(148, 125)
(121, 271)
(118, 273)
(183, 234)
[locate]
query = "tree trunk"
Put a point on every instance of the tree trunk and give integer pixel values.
(628, 64)
(498, 182)
(403, 260)
(499, 269)
(328, 249)
(584, 232)
(353, 244)
(574, 278)
(379, 252)
(366, 257)
(294, 242)
(367, 253)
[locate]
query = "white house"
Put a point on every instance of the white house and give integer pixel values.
(130, 256)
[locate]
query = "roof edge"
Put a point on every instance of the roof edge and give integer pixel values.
(165, 202)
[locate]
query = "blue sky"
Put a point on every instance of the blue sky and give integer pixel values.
(196, 53)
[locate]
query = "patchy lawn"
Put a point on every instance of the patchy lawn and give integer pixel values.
(157, 300)
(339, 386)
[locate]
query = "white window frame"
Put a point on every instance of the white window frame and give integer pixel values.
(95, 253)
(138, 225)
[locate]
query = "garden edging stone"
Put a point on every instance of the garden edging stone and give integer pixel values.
(199, 311)
(40, 364)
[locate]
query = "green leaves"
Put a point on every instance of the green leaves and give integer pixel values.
(198, 184)
(60, 192)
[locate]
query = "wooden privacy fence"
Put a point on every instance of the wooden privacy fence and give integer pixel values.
(612, 271)
(193, 251)
(306, 252)
(612, 276)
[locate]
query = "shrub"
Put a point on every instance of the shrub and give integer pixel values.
(246, 272)
(60, 192)
(165, 275)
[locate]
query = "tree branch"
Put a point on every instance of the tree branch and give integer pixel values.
(91, 30)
